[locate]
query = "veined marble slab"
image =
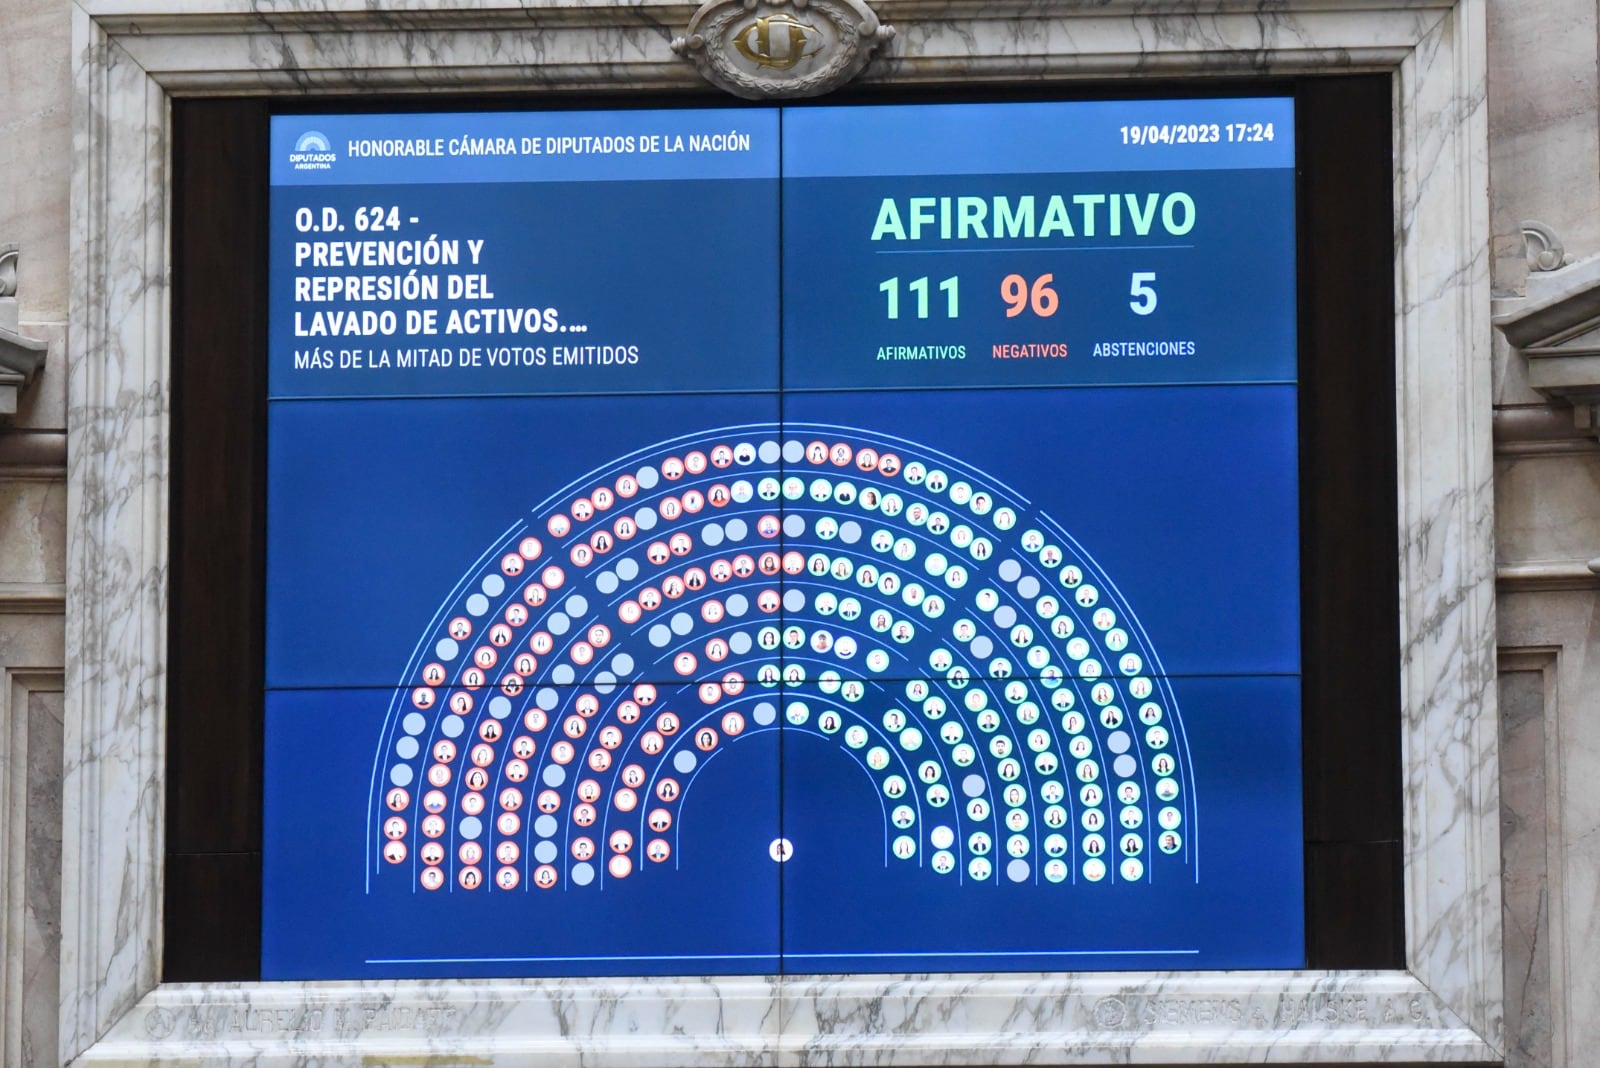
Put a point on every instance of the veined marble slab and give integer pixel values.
(132, 56)
(930, 1019)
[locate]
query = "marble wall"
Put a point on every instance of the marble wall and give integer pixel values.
(1550, 824)
(35, 151)
(1544, 144)
(1543, 63)
(1543, 139)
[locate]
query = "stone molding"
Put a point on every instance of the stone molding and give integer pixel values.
(46, 598)
(1538, 430)
(1556, 327)
(1524, 432)
(1551, 634)
(30, 455)
(16, 683)
(1548, 577)
(133, 56)
(20, 356)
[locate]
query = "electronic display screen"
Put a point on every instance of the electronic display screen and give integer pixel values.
(783, 540)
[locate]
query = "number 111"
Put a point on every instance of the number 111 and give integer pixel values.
(950, 287)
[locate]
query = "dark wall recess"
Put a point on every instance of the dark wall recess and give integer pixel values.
(214, 682)
(1349, 522)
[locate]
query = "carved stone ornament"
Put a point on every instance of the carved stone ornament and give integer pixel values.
(1544, 249)
(20, 356)
(781, 49)
(1556, 327)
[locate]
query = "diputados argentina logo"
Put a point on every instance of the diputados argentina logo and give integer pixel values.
(312, 152)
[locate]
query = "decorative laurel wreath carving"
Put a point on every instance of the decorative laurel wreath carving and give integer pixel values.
(781, 49)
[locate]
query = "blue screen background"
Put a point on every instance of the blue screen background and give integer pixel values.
(750, 290)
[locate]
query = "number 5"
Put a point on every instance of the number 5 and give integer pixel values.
(1146, 302)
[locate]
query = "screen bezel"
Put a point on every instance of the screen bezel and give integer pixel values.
(1349, 586)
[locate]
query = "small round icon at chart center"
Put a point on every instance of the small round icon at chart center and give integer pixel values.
(781, 849)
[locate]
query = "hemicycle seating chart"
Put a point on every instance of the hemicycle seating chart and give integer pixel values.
(964, 652)
(777, 636)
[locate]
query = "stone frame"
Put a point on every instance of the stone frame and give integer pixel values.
(131, 56)
(17, 685)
